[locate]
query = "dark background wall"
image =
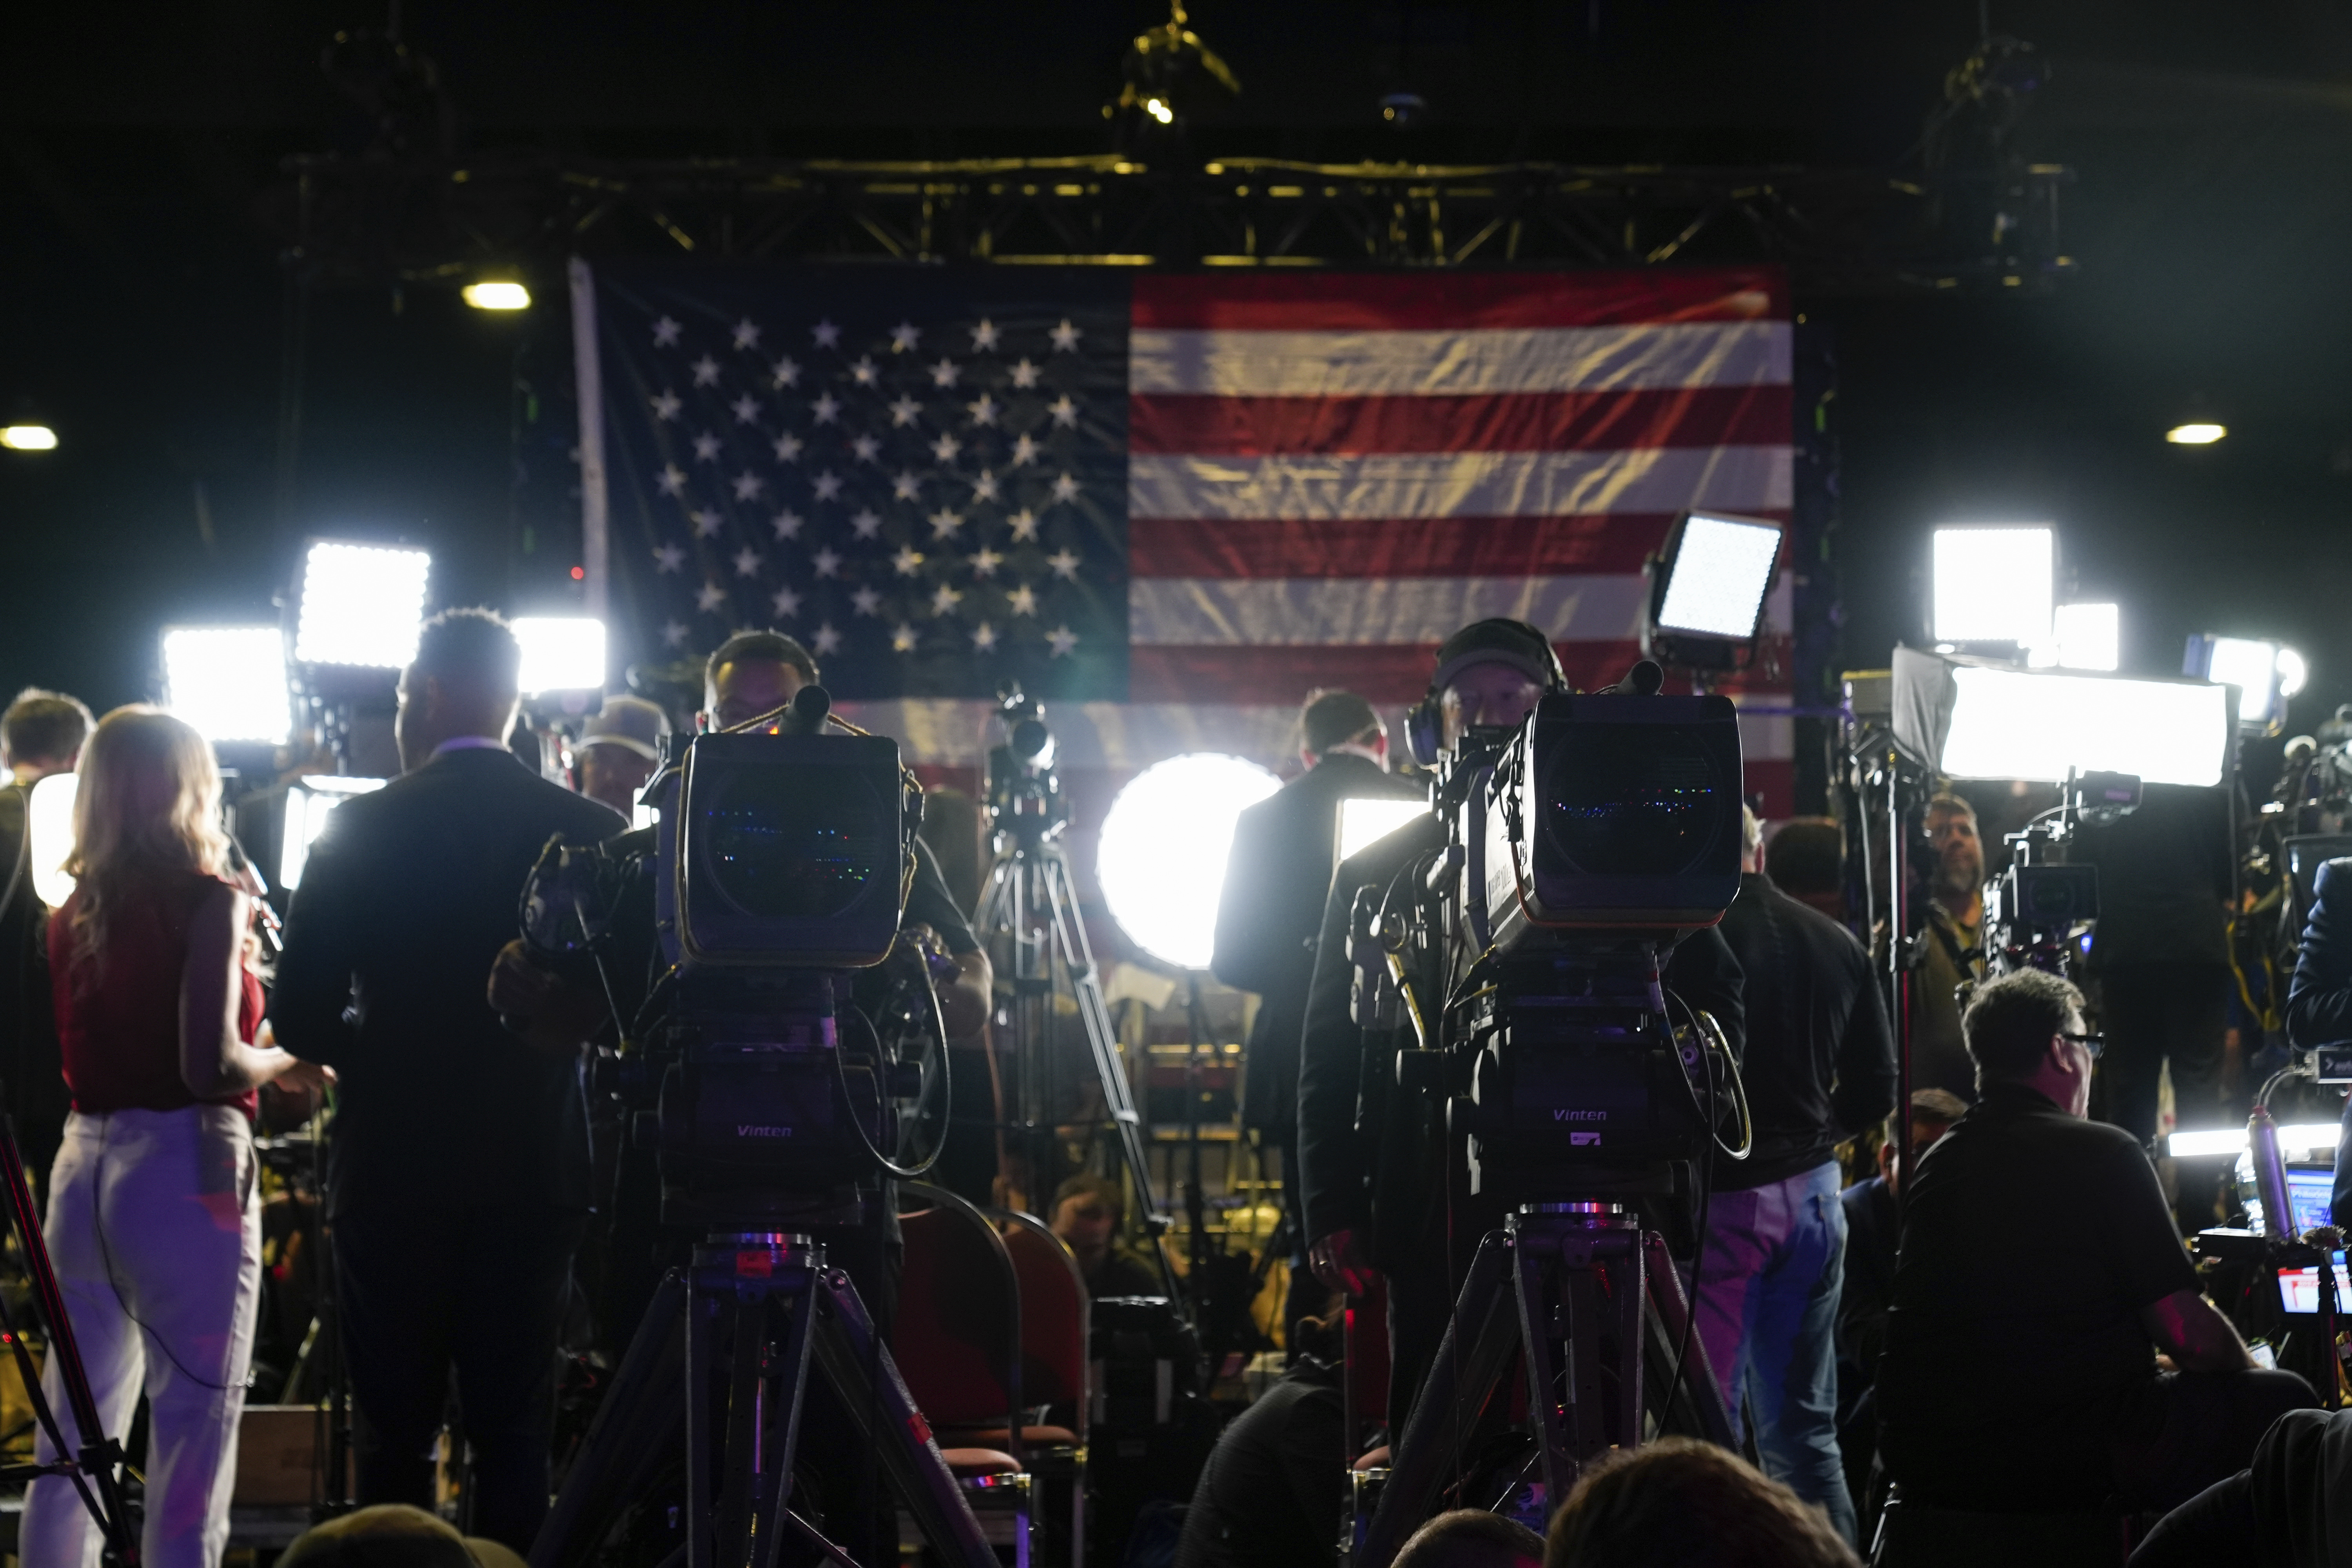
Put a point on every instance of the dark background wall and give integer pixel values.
(142, 209)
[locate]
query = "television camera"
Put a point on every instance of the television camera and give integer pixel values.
(2038, 911)
(1524, 955)
(777, 875)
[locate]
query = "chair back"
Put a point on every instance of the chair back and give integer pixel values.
(1055, 1314)
(958, 1335)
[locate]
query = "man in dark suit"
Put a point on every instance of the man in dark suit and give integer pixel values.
(1276, 880)
(458, 1175)
(2319, 1000)
(1377, 1165)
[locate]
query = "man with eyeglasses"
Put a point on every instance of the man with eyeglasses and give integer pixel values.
(2039, 1279)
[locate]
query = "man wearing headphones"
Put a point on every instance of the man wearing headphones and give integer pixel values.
(1378, 1169)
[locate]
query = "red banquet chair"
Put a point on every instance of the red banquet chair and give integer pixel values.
(957, 1342)
(1056, 1316)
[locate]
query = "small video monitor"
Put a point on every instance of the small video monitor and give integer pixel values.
(2299, 1290)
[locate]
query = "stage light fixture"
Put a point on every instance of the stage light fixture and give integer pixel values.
(229, 681)
(1975, 720)
(28, 439)
(2087, 637)
(2257, 666)
(1994, 585)
(1161, 857)
(1707, 589)
(496, 296)
(2197, 433)
(310, 801)
(2294, 1142)
(1365, 820)
(362, 604)
(560, 653)
(2293, 672)
(50, 836)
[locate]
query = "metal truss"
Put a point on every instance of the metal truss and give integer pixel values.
(371, 221)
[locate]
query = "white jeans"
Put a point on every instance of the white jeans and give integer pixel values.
(153, 1216)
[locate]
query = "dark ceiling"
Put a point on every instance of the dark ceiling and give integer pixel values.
(142, 208)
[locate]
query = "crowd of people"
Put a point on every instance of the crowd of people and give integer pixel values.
(1865, 1336)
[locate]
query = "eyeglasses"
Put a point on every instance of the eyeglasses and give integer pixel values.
(2093, 1044)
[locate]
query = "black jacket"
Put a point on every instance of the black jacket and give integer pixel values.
(1820, 1062)
(2319, 999)
(1371, 1154)
(405, 900)
(1276, 880)
(2167, 876)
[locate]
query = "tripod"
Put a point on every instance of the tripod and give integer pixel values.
(763, 1307)
(97, 1463)
(1031, 901)
(1591, 1305)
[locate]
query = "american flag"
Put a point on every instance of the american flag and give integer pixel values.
(1174, 503)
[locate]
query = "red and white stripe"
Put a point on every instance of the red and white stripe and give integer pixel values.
(1329, 474)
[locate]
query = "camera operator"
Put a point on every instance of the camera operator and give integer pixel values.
(2040, 1276)
(458, 1177)
(1820, 1067)
(2319, 999)
(619, 748)
(751, 674)
(2160, 953)
(1276, 879)
(1375, 1159)
(1949, 949)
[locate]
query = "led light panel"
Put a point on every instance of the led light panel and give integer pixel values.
(50, 836)
(1994, 585)
(2019, 725)
(229, 681)
(1164, 843)
(1365, 820)
(309, 803)
(2089, 636)
(362, 604)
(1720, 571)
(560, 653)
(2253, 668)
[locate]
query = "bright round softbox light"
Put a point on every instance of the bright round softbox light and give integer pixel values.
(1161, 861)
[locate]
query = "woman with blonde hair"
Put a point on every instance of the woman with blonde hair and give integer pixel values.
(153, 1222)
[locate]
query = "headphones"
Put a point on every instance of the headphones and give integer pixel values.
(1425, 721)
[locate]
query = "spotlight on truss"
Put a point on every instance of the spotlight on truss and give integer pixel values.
(491, 295)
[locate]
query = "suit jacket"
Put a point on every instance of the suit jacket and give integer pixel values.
(1276, 880)
(405, 900)
(1371, 1154)
(2319, 998)
(1820, 1061)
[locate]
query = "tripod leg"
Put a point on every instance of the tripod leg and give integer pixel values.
(747, 1385)
(886, 1417)
(791, 1383)
(1694, 1409)
(635, 1431)
(703, 1308)
(1554, 1391)
(1447, 1405)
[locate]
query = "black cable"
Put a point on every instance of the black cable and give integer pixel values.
(97, 1225)
(841, 1075)
(1705, 1200)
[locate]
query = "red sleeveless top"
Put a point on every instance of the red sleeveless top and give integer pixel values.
(118, 1012)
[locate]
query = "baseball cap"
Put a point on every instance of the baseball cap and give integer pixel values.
(630, 723)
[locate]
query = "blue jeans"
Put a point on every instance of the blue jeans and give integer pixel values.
(1768, 1298)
